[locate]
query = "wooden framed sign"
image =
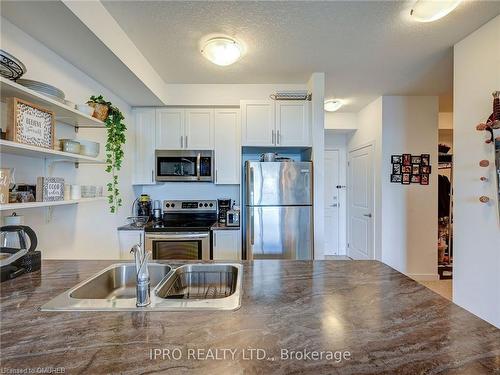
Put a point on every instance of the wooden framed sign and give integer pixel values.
(30, 124)
(4, 185)
(49, 189)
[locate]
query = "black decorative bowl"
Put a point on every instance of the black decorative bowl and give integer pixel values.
(10, 67)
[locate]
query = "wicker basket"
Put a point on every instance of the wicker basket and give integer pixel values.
(100, 110)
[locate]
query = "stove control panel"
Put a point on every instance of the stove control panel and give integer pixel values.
(191, 205)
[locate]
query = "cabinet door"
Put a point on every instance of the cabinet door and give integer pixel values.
(170, 129)
(144, 151)
(227, 245)
(257, 123)
(227, 146)
(292, 123)
(199, 133)
(127, 239)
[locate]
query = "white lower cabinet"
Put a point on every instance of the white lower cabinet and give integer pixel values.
(227, 244)
(127, 239)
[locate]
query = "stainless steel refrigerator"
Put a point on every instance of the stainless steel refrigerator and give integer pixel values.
(278, 210)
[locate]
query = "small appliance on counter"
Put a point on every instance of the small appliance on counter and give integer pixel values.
(223, 205)
(233, 217)
(143, 206)
(16, 257)
(157, 212)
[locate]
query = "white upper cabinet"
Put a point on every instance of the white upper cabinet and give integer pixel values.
(227, 146)
(199, 129)
(144, 157)
(227, 244)
(169, 129)
(258, 122)
(275, 123)
(292, 123)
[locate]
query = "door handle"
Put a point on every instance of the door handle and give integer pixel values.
(334, 205)
(278, 137)
(187, 141)
(152, 175)
(367, 215)
(272, 137)
(182, 141)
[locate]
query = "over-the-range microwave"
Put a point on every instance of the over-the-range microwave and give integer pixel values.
(184, 165)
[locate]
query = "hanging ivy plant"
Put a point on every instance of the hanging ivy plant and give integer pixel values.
(113, 119)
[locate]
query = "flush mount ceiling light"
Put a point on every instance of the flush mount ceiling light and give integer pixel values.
(222, 51)
(432, 10)
(333, 105)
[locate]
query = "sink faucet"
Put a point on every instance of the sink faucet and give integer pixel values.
(142, 276)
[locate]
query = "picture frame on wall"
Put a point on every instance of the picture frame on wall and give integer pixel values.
(396, 178)
(30, 124)
(396, 159)
(406, 169)
(425, 159)
(415, 179)
(424, 179)
(416, 159)
(406, 159)
(396, 169)
(426, 169)
(406, 179)
(415, 169)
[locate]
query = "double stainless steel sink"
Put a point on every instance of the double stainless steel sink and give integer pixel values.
(183, 288)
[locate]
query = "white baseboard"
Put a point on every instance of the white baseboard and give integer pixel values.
(423, 276)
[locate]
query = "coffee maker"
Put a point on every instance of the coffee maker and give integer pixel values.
(144, 206)
(224, 205)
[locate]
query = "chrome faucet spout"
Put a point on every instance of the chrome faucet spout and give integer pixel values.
(143, 291)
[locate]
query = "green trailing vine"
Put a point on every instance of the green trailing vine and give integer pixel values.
(114, 149)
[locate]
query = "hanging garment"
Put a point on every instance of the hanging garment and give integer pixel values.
(444, 191)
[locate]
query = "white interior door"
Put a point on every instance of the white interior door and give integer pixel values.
(360, 189)
(332, 202)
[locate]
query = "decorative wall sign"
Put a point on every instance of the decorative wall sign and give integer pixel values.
(49, 189)
(4, 185)
(410, 169)
(30, 124)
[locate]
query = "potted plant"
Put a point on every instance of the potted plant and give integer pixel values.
(116, 129)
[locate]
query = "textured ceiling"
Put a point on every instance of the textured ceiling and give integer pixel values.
(367, 49)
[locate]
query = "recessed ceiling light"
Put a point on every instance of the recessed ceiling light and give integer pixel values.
(432, 10)
(333, 105)
(222, 50)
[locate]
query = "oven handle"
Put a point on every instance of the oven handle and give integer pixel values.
(176, 236)
(198, 165)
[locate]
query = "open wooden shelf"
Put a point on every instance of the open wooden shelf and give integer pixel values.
(63, 113)
(14, 148)
(19, 206)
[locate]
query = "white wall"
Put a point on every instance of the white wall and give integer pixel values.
(341, 120)
(445, 120)
(316, 86)
(86, 231)
(476, 274)
(369, 131)
(409, 212)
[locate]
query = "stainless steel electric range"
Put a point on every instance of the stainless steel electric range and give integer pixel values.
(184, 232)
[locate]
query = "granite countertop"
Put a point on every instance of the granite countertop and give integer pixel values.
(220, 226)
(379, 321)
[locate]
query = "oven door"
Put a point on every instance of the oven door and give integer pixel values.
(179, 245)
(184, 165)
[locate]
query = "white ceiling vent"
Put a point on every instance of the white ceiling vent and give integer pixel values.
(291, 95)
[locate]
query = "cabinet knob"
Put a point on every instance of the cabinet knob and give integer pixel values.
(484, 199)
(484, 163)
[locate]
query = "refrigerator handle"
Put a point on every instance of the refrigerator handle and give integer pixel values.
(251, 185)
(252, 233)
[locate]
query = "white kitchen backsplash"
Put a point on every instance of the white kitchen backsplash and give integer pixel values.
(190, 190)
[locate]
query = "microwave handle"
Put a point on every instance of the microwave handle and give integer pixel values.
(198, 166)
